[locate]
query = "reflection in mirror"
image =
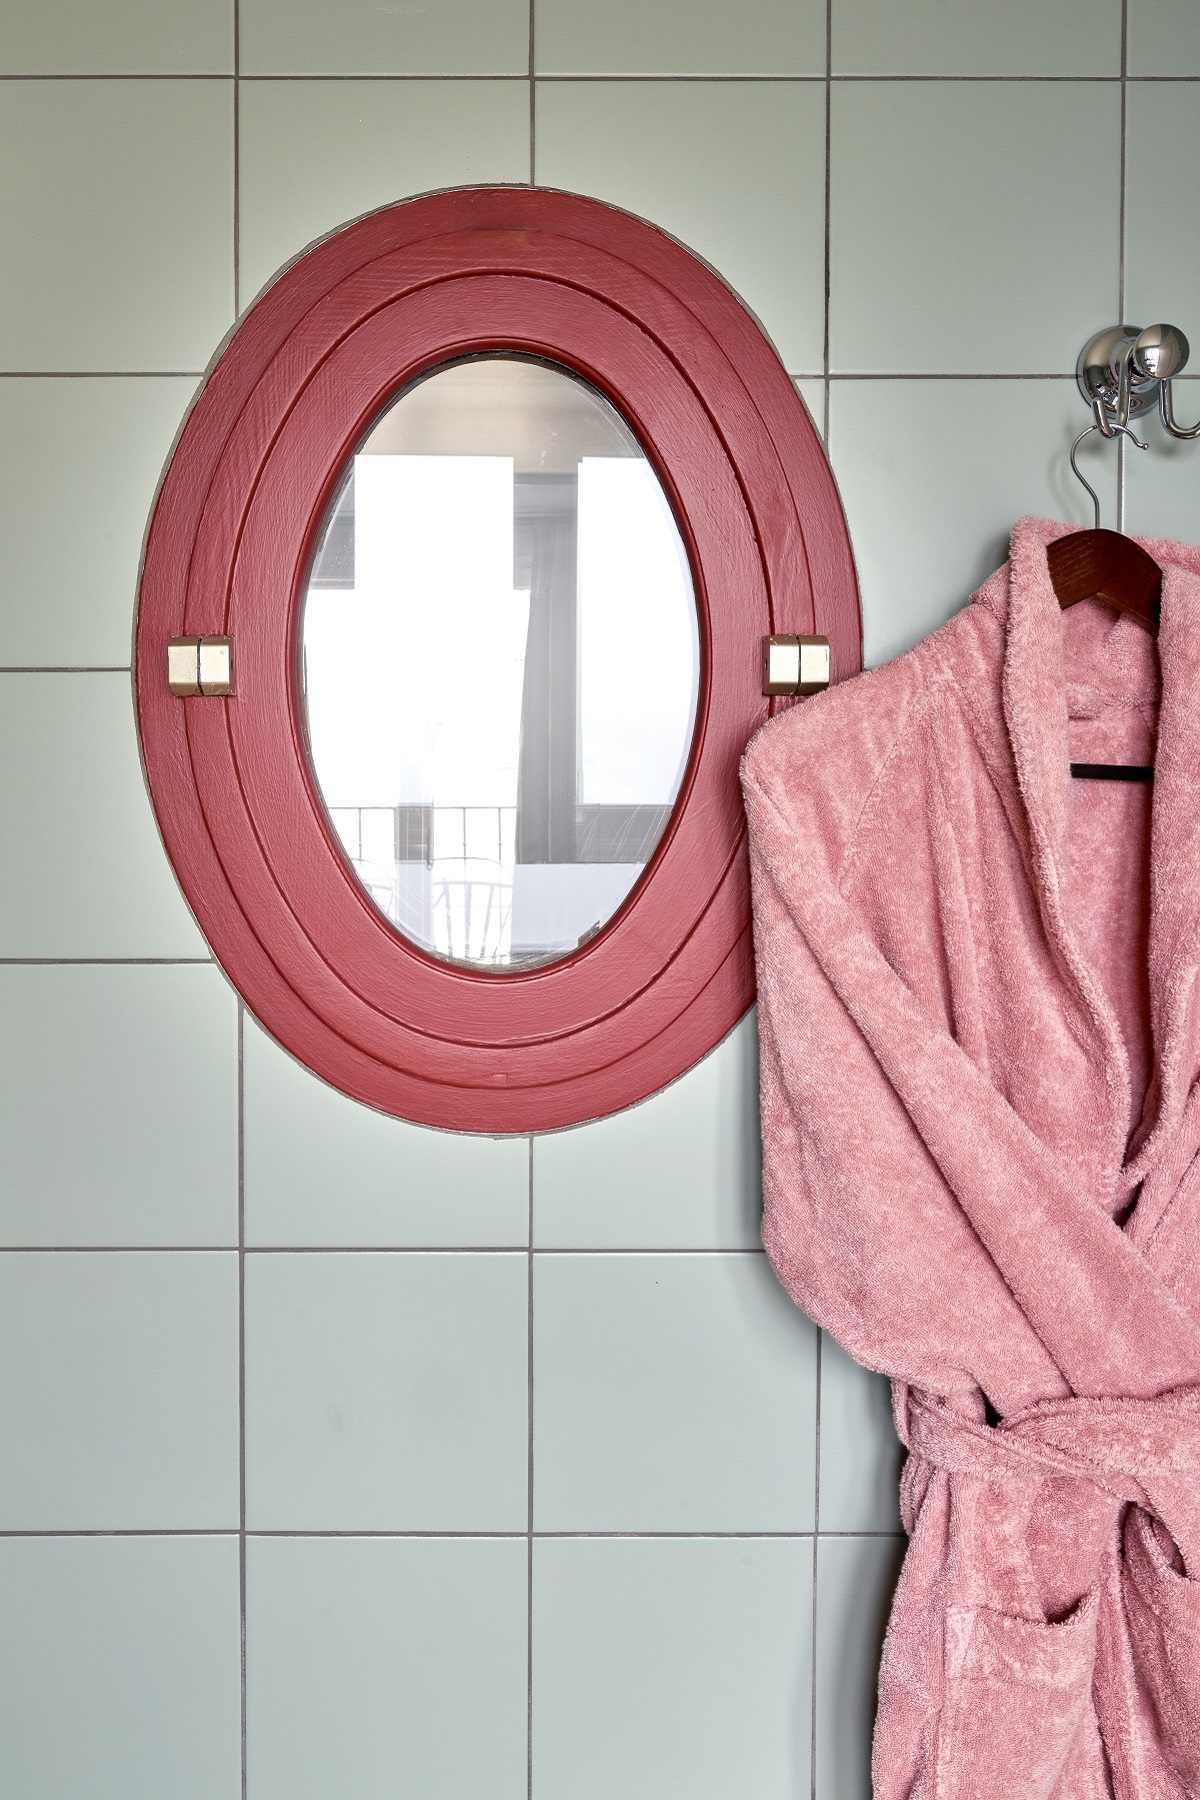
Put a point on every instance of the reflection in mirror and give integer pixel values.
(500, 662)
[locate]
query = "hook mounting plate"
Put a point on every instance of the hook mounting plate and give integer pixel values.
(1096, 371)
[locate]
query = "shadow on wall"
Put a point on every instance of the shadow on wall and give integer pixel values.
(856, 1579)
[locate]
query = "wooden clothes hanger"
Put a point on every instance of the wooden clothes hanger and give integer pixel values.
(1106, 566)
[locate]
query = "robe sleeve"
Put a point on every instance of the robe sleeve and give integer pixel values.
(859, 1221)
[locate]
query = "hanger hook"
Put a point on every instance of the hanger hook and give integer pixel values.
(1080, 476)
(1105, 430)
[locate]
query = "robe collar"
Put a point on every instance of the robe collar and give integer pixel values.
(1118, 657)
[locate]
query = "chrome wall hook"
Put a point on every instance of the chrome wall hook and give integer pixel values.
(1167, 414)
(1123, 371)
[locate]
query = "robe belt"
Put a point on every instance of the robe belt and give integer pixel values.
(1144, 1451)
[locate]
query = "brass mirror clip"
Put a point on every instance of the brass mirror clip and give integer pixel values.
(795, 665)
(200, 666)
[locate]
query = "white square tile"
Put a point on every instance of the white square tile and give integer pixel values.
(1162, 483)
(120, 1668)
(953, 248)
(118, 1106)
(386, 1392)
(358, 37)
(861, 1455)
(118, 1390)
(84, 870)
(933, 475)
(674, 37)
(118, 37)
(119, 234)
(1162, 255)
(322, 1170)
(1022, 37)
(681, 1171)
(735, 169)
(385, 1668)
(812, 392)
(1164, 37)
(672, 1668)
(79, 463)
(363, 145)
(671, 1393)
(855, 1581)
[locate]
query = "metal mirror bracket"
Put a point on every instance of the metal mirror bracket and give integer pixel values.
(200, 666)
(795, 665)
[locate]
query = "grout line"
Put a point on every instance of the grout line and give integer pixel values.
(532, 95)
(775, 79)
(813, 1722)
(129, 1531)
(508, 1537)
(474, 79)
(529, 1348)
(1121, 190)
(994, 80)
(519, 1537)
(680, 1536)
(813, 79)
(816, 1545)
(107, 962)
(244, 1249)
(817, 1439)
(241, 1212)
(516, 75)
(490, 1250)
(663, 79)
(113, 75)
(100, 374)
(660, 79)
(828, 188)
(514, 1537)
(1120, 519)
(942, 375)
(899, 1537)
(432, 75)
(795, 375)
(237, 174)
(650, 1250)
(924, 375)
(387, 1250)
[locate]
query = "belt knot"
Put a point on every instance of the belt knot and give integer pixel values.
(1143, 1451)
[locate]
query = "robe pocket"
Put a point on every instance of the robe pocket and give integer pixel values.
(1163, 1608)
(1016, 1691)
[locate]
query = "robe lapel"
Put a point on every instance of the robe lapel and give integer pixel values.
(1033, 692)
(1175, 857)
(1035, 714)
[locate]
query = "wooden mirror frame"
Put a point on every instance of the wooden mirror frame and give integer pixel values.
(343, 329)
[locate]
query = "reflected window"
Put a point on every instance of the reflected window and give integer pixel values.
(500, 662)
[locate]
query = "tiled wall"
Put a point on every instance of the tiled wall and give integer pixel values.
(511, 1461)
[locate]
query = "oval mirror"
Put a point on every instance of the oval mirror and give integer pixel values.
(465, 830)
(499, 662)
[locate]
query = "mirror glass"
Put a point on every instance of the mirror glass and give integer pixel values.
(499, 662)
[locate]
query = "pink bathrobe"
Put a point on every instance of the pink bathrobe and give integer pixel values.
(980, 1033)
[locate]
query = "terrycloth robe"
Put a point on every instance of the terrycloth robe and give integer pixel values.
(980, 1033)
